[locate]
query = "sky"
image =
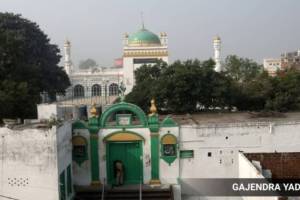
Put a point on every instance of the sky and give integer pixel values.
(254, 29)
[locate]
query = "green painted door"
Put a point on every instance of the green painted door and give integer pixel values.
(62, 187)
(130, 154)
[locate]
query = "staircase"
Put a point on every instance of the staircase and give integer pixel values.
(127, 193)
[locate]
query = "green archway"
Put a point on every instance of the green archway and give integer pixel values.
(123, 107)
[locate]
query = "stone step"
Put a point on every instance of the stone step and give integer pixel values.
(126, 194)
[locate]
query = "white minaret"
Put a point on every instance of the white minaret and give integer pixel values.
(68, 62)
(163, 39)
(217, 53)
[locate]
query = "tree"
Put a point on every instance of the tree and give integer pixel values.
(87, 64)
(286, 91)
(242, 69)
(28, 66)
(147, 80)
(181, 87)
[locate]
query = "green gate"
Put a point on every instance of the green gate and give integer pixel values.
(130, 153)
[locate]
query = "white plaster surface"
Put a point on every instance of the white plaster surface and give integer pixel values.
(29, 166)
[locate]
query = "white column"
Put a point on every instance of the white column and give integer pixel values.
(217, 53)
(67, 52)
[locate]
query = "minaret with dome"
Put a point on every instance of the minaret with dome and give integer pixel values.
(217, 53)
(142, 47)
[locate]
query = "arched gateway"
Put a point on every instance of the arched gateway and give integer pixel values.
(123, 133)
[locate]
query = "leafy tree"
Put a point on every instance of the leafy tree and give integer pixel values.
(28, 66)
(286, 91)
(87, 64)
(181, 87)
(242, 69)
(146, 85)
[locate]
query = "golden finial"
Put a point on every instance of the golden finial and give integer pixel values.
(93, 110)
(153, 108)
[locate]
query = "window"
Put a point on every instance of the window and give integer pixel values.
(187, 154)
(79, 149)
(169, 148)
(96, 90)
(78, 91)
(113, 90)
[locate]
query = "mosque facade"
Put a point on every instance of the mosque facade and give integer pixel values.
(139, 48)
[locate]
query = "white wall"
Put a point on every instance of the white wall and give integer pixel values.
(247, 170)
(64, 152)
(168, 174)
(47, 111)
(224, 141)
(28, 164)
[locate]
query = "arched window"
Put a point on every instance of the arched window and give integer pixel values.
(96, 90)
(78, 91)
(113, 89)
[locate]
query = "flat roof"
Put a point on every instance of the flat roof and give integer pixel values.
(234, 117)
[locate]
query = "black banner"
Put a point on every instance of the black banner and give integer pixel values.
(240, 187)
(144, 60)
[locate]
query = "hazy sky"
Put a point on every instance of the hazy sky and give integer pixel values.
(248, 28)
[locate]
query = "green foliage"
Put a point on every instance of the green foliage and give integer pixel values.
(28, 66)
(242, 69)
(193, 86)
(180, 87)
(87, 64)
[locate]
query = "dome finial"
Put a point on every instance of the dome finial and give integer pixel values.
(93, 110)
(153, 108)
(142, 18)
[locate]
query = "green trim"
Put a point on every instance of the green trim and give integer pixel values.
(93, 125)
(94, 147)
(167, 158)
(186, 153)
(79, 125)
(69, 180)
(120, 107)
(153, 123)
(154, 156)
(94, 158)
(120, 132)
(169, 122)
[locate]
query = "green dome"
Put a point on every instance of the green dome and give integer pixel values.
(143, 38)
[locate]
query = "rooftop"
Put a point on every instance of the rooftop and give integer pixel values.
(237, 117)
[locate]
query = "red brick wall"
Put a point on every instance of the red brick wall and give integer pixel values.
(282, 165)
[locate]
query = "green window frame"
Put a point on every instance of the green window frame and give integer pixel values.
(69, 180)
(169, 148)
(186, 153)
(62, 186)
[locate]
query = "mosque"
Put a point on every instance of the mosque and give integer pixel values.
(139, 48)
(164, 156)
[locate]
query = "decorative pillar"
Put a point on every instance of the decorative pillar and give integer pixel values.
(94, 146)
(153, 122)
